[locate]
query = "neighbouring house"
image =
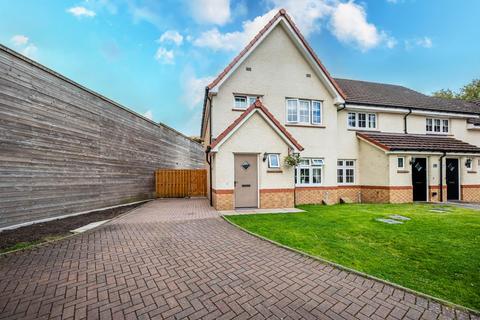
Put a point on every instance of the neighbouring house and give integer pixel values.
(358, 141)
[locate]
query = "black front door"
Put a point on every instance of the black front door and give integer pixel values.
(419, 179)
(452, 179)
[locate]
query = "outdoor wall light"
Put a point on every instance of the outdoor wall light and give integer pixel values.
(265, 155)
(468, 163)
(412, 160)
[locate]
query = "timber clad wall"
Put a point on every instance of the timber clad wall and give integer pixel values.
(65, 149)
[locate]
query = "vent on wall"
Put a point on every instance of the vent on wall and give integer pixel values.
(248, 68)
(308, 75)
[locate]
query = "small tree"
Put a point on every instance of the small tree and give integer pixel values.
(470, 92)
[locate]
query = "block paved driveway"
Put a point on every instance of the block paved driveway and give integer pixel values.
(178, 259)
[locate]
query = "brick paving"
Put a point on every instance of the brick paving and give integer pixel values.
(177, 259)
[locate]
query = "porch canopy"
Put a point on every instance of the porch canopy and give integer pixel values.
(417, 142)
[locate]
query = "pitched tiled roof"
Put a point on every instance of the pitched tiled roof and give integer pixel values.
(257, 105)
(417, 142)
(279, 14)
(389, 95)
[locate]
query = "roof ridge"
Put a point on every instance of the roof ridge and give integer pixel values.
(260, 106)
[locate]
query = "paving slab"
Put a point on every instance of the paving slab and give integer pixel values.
(179, 259)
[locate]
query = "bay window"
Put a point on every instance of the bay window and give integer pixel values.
(362, 120)
(300, 111)
(309, 172)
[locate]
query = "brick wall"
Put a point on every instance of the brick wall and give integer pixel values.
(401, 194)
(223, 199)
(313, 195)
(471, 193)
(349, 194)
(276, 198)
(435, 193)
(375, 194)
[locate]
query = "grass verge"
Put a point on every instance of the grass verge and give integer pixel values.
(437, 253)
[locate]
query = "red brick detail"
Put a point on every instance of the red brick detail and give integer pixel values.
(223, 191)
(258, 105)
(435, 193)
(276, 190)
(471, 192)
(277, 198)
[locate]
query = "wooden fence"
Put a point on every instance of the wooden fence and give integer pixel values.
(180, 183)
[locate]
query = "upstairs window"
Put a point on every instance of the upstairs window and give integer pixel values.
(309, 172)
(437, 125)
(243, 102)
(346, 171)
(362, 120)
(301, 111)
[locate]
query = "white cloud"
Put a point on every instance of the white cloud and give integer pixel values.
(349, 25)
(148, 114)
(19, 40)
(193, 88)
(173, 36)
(165, 56)
(26, 47)
(307, 14)
(81, 12)
(211, 11)
(424, 42)
(233, 41)
(30, 51)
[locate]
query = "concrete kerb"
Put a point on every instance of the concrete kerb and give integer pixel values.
(48, 242)
(339, 266)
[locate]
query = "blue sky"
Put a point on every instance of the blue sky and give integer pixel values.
(156, 57)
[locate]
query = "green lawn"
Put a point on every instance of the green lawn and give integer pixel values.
(435, 253)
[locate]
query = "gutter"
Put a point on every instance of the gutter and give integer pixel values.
(344, 105)
(405, 120)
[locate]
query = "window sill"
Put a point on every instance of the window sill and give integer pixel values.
(238, 109)
(363, 129)
(402, 171)
(305, 125)
(274, 170)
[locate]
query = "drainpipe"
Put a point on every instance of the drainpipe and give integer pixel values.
(344, 105)
(207, 151)
(405, 120)
(441, 175)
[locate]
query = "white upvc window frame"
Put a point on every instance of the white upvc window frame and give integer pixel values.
(249, 100)
(272, 165)
(342, 166)
(310, 165)
(354, 119)
(437, 125)
(296, 113)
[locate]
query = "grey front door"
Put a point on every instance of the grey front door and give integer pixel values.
(246, 181)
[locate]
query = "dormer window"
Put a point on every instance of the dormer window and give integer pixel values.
(242, 102)
(437, 125)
